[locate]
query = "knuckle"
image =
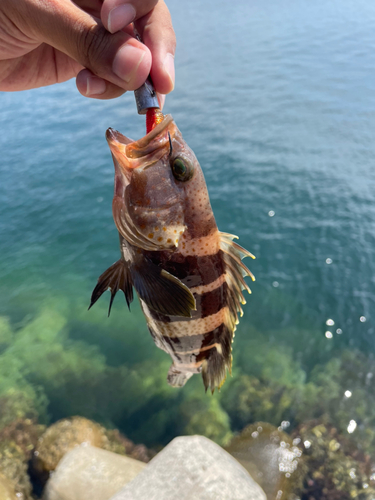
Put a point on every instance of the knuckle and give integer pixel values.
(94, 44)
(143, 7)
(168, 33)
(171, 35)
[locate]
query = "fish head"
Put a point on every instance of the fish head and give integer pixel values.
(158, 182)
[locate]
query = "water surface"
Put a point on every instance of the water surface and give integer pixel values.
(277, 99)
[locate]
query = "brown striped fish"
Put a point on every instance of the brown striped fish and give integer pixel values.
(188, 276)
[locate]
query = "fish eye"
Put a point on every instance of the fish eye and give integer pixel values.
(182, 169)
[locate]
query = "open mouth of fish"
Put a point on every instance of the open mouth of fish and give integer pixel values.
(147, 150)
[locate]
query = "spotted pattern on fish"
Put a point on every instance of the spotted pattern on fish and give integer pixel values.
(188, 275)
(208, 334)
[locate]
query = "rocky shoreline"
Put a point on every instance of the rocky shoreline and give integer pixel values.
(78, 459)
(300, 432)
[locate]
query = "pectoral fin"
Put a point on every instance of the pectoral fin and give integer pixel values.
(162, 291)
(117, 277)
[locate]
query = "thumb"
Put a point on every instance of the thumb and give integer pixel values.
(118, 58)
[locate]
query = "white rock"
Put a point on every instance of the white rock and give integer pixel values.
(192, 468)
(89, 473)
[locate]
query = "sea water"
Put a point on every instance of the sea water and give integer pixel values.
(277, 100)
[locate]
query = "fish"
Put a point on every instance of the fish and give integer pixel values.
(189, 276)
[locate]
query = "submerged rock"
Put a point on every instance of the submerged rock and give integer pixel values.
(88, 473)
(17, 406)
(17, 441)
(6, 489)
(271, 457)
(192, 467)
(67, 434)
(118, 443)
(63, 436)
(24, 433)
(335, 468)
(14, 467)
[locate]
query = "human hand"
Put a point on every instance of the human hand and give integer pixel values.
(43, 42)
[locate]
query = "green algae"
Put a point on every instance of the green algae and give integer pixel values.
(17, 442)
(335, 467)
(272, 458)
(205, 416)
(63, 362)
(6, 333)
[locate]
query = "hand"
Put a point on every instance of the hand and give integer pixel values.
(43, 42)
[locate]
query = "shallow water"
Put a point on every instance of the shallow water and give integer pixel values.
(277, 99)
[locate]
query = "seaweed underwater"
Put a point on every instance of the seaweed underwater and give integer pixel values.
(314, 408)
(58, 362)
(76, 378)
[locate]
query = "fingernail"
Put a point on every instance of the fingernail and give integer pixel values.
(127, 61)
(169, 68)
(120, 16)
(161, 99)
(95, 86)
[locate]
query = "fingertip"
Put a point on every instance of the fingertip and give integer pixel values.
(90, 85)
(132, 64)
(117, 17)
(161, 99)
(163, 73)
(169, 70)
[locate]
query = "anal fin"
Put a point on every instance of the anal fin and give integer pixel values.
(176, 378)
(115, 278)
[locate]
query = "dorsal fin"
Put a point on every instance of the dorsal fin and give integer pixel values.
(218, 360)
(236, 271)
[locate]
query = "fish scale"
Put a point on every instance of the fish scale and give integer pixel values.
(188, 276)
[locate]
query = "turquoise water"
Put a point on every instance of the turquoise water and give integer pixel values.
(277, 99)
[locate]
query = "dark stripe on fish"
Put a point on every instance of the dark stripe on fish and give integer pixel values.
(207, 304)
(201, 270)
(205, 347)
(192, 342)
(221, 335)
(199, 228)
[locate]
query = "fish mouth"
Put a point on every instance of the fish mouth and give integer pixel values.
(144, 152)
(115, 138)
